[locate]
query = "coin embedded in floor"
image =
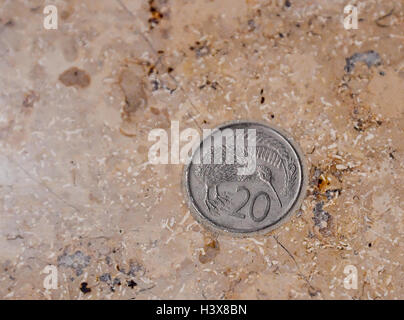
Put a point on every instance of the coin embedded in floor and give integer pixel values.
(245, 178)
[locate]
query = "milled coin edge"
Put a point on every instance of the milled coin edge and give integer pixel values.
(217, 230)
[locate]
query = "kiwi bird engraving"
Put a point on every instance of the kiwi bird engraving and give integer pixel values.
(212, 175)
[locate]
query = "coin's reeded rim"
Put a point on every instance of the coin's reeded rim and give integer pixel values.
(217, 229)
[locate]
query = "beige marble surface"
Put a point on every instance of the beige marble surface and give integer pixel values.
(77, 105)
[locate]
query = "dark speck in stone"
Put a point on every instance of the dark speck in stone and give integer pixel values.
(131, 284)
(84, 289)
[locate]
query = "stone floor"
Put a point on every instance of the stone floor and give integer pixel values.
(77, 105)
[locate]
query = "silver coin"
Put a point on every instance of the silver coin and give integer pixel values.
(226, 199)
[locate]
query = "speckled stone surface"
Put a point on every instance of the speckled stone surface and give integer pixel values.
(77, 105)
